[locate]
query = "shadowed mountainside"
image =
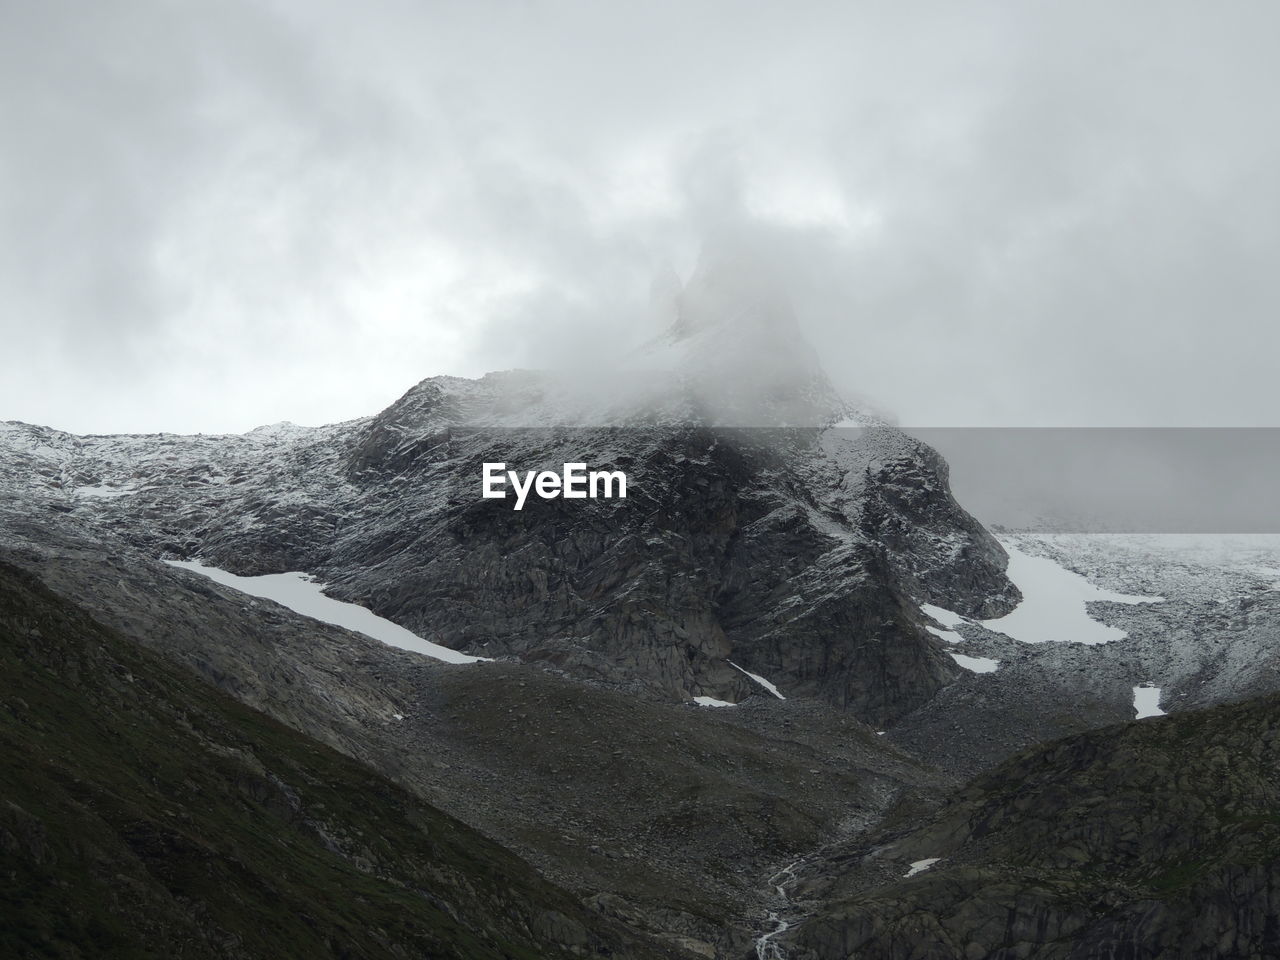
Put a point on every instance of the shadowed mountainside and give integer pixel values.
(146, 814)
(1158, 839)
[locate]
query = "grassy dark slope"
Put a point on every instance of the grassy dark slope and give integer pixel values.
(1159, 838)
(145, 814)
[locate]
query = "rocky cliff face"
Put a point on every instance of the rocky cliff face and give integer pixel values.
(777, 549)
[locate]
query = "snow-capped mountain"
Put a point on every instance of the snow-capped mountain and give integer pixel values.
(768, 530)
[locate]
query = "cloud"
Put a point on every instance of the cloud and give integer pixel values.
(987, 213)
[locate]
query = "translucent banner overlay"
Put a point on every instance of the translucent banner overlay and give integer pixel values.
(1047, 480)
(1122, 480)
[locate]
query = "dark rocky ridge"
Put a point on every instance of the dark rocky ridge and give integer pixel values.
(1156, 839)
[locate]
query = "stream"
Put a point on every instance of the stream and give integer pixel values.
(766, 949)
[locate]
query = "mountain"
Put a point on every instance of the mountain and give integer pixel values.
(766, 525)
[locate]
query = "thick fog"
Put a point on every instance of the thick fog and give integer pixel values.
(223, 214)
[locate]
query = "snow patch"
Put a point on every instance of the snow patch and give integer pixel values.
(758, 679)
(301, 594)
(1146, 701)
(976, 664)
(104, 492)
(920, 866)
(947, 618)
(1053, 603)
(712, 702)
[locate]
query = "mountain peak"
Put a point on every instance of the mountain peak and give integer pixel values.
(735, 284)
(733, 352)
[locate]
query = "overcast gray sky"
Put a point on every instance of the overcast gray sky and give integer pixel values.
(216, 215)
